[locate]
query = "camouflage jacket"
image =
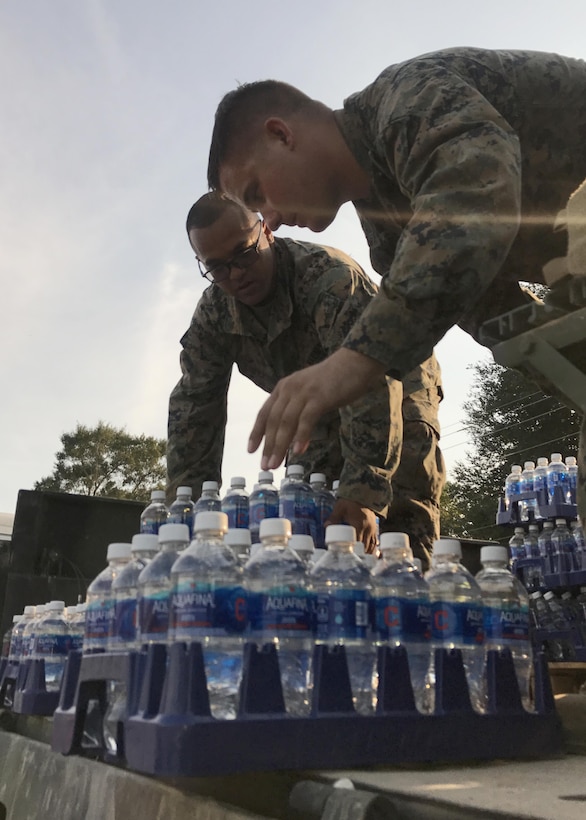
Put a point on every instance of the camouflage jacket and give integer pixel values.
(471, 154)
(320, 294)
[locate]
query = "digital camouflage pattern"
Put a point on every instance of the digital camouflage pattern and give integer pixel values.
(321, 292)
(472, 154)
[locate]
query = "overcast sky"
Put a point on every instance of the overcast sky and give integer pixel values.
(106, 112)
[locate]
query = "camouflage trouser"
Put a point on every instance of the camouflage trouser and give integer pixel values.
(417, 487)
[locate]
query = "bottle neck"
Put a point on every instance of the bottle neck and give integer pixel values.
(173, 546)
(396, 555)
(143, 555)
(275, 542)
(210, 536)
(340, 547)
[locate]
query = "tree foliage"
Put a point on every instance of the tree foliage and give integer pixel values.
(510, 421)
(107, 461)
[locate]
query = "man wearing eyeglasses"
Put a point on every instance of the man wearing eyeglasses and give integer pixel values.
(277, 305)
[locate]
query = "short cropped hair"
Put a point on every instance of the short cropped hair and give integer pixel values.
(242, 109)
(209, 208)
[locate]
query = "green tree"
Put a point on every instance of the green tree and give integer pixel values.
(107, 461)
(510, 421)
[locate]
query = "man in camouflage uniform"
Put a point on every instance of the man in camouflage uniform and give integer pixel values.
(276, 306)
(457, 163)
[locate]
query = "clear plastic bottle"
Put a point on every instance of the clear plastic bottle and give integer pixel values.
(239, 542)
(209, 500)
(318, 554)
(563, 548)
(512, 485)
(182, 510)
(540, 483)
(296, 502)
(208, 604)
(532, 541)
(572, 468)
(517, 547)
(527, 507)
(402, 611)
(7, 637)
(280, 610)
(52, 644)
(542, 619)
(125, 634)
(16, 641)
(304, 547)
(76, 626)
(235, 504)
(342, 585)
(99, 600)
(263, 503)
(154, 514)
(506, 614)
(545, 546)
(533, 574)
(324, 502)
(154, 584)
(557, 476)
(29, 632)
(457, 614)
(577, 531)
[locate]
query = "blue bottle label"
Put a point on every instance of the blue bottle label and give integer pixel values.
(457, 622)
(342, 614)
(237, 512)
(153, 616)
(48, 644)
(406, 619)
(301, 514)
(125, 621)
(261, 509)
(199, 609)
(98, 619)
(286, 609)
(506, 624)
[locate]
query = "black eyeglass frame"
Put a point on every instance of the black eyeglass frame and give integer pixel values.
(245, 259)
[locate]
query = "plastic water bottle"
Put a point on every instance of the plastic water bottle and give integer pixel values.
(182, 510)
(155, 514)
(29, 632)
(52, 644)
(557, 476)
(533, 575)
(280, 610)
(517, 547)
(304, 547)
(125, 634)
(296, 502)
(342, 585)
(512, 485)
(76, 627)
(100, 603)
(263, 503)
(540, 484)
(324, 502)
(208, 604)
(7, 637)
(235, 504)
(154, 584)
(527, 507)
(209, 500)
(506, 614)
(580, 542)
(562, 548)
(16, 641)
(545, 546)
(402, 611)
(239, 542)
(457, 614)
(542, 619)
(572, 468)
(318, 554)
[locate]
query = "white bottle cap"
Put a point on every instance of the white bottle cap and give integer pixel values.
(447, 546)
(278, 527)
(238, 481)
(516, 468)
(29, 610)
(209, 520)
(237, 537)
(184, 491)
(158, 495)
(566, 595)
(173, 532)
(560, 521)
(548, 525)
(265, 475)
(302, 543)
(71, 611)
(340, 532)
(81, 607)
(542, 462)
(145, 542)
(16, 618)
(317, 477)
(535, 595)
(533, 527)
(529, 465)
(116, 551)
(295, 469)
(56, 606)
(359, 549)
(555, 457)
(493, 553)
(394, 540)
(549, 595)
(570, 461)
(519, 531)
(209, 485)
(335, 484)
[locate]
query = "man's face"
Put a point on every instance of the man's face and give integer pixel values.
(284, 179)
(223, 242)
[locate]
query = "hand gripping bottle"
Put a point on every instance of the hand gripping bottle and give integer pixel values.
(235, 504)
(182, 510)
(100, 603)
(154, 584)
(506, 614)
(457, 615)
(263, 503)
(324, 502)
(280, 610)
(342, 586)
(208, 605)
(155, 514)
(401, 609)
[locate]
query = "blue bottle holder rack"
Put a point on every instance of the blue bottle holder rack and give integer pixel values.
(30, 692)
(574, 638)
(547, 511)
(525, 567)
(169, 730)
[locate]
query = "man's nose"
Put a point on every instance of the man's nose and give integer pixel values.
(235, 271)
(271, 218)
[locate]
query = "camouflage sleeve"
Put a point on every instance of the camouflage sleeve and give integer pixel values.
(198, 410)
(458, 162)
(370, 430)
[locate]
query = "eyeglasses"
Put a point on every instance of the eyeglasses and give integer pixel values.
(245, 259)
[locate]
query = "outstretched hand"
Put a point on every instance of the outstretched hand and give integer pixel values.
(297, 402)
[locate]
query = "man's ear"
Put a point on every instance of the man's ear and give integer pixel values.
(276, 128)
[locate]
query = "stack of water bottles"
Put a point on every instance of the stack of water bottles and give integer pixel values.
(539, 491)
